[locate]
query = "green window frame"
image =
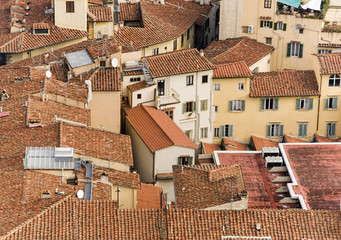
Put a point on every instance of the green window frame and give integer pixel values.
(304, 103)
(302, 129)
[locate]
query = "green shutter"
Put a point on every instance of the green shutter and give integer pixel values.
(298, 104)
(305, 130)
(270, 24)
(326, 103)
(334, 103)
(230, 106)
(300, 130)
(183, 107)
(275, 26)
(276, 104)
(333, 126)
(243, 105)
(284, 27)
(262, 102)
(268, 129)
(288, 49)
(261, 24)
(319, 51)
(281, 127)
(222, 130)
(194, 106)
(230, 131)
(311, 103)
(300, 55)
(179, 160)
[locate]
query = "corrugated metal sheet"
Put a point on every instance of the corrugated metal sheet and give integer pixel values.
(79, 58)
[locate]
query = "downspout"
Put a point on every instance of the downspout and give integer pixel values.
(319, 107)
(154, 168)
(196, 132)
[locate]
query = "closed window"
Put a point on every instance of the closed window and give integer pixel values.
(240, 86)
(302, 129)
(102, 64)
(216, 108)
(268, 40)
(295, 49)
(170, 113)
(334, 80)
(188, 133)
(161, 88)
(226, 131)
(324, 51)
(269, 104)
(330, 103)
(304, 103)
(216, 132)
(204, 79)
(175, 45)
(189, 80)
(135, 79)
(155, 51)
(237, 105)
(185, 160)
(331, 129)
(274, 130)
(70, 6)
(41, 31)
(203, 132)
(217, 87)
(203, 105)
(280, 26)
(267, 3)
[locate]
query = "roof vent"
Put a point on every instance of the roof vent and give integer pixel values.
(4, 95)
(46, 194)
(258, 226)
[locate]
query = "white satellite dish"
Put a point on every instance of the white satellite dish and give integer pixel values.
(48, 74)
(114, 62)
(80, 194)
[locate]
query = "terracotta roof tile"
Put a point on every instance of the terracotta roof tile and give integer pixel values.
(107, 48)
(105, 79)
(208, 148)
(330, 63)
(156, 129)
(319, 138)
(130, 12)
(286, 83)
(27, 40)
(100, 2)
(99, 14)
(132, 73)
(232, 145)
(290, 139)
(232, 70)
(116, 177)
(177, 62)
(213, 181)
(138, 86)
(161, 23)
(236, 50)
(259, 143)
(149, 197)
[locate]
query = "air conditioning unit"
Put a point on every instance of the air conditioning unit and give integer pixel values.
(250, 29)
(273, 161)
(270, 151)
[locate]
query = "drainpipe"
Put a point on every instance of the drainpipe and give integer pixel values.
(196, 132)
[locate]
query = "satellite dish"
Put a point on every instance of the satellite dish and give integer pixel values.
(80, 194)
(114, 62)
(48, 74)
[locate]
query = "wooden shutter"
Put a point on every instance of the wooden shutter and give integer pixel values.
(326, 103)
(275, 26)
(222, 130)
(311, 103)
(300, 130)
(288, 49)
(284, 26)
(190, 161)
(230, 131)
(305, 130)
(333, 129)
(194, 106)
(261, 24)
(276, 104)
(183, 107)
(300, 54)
(268, 129)
(281, 128)
(243, 105)
(179, 161)
(230, 106)
(334, 103)
(262, 102)
(270, 24)
(298, 103)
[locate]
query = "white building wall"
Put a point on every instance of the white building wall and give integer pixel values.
(126, 82)
(147, 97)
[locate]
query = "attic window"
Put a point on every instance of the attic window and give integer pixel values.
(41, 31)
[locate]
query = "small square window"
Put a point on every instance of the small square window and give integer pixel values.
(155, 51)
(267, 3)
(204, 79)
(301, 30)
(189, 80)
(137, 79)
(70, 6)
(268, 40)
(216, 108)
(216, 132)
(139, 96)
(170, 113)
(102, 64)
(240, 86)
(204, 132)
(334, 80)
(217, 87)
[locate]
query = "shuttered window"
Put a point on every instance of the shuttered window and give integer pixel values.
(295, 49)
(330, 103)
(226, 131)
(236, 105)
(70, 6)
(302, 129)
(304, 103)
(269, 104)
(331, 129)
(274, 130)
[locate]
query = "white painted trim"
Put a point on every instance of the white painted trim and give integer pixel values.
(245, 237)
(216, 158)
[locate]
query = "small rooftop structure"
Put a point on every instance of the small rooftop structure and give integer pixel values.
(79, 58)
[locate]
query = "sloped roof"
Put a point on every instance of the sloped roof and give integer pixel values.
(330, 63)
(209, 148)
(236, 50)
(161, 23)
(156, 129)
(260, 142)
(291, 139)
(138, 86)
(177, 62)
(149, 196)
(232, 145)
(216, 184)
(79, 58)
(105, 79)
(286, 83)
(232, 70)
(99, 14)
(130, 11)
(319, 138)
(27, 40)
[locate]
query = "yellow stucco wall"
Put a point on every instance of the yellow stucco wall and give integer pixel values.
(253, 120)
(127, 197)
(95, 28)
(75, 20)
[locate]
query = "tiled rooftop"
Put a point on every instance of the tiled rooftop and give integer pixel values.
(286, 83)
(138, 86)
(319, 138)
(105, 79)
(236, 50)
(232, 70)
(156, 129)
(177, 62)
(232, 145)
(208, 148)
(130, 12)
(291, 139)
(149, 197)
(258, 143)
(214, 185)
(330, 63)
(99, 14)
(317, 170)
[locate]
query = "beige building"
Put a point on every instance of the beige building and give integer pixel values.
(264, 104)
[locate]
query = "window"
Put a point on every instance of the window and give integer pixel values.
(240, 86)
(217, 87)
(70, 6)
(330, 103)
(203, 132)
(302, 129)
(216, 132)
(267, 3)
(301, 30)
(161, 88)
(175, 45)
(188, 107)
(135, 79)
(139, 96)
(185, 160)
(269, 104)
(268, 40)
(266, 24)
(256, 69)
(188, 133)
(216, 108)
(188, 32)
(102, 63)
(280, 26)
(41, 31)
(304, 103)
(324, 51)
(189, 80)
(274, 130)
(334, 80)
(203, 105)
(204, 79)
(170, 113)
(331, 129)
(236, 105)
(182, 40)
(226, 130)
(155, 51)
(295, 49)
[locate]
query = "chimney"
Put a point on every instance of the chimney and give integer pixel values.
(202, 53)
(258, 226)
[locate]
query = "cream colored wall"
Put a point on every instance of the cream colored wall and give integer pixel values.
(126, 82)
(61, 99)
(147, 97)
(263, 65)
(333, 37)
(168, 189)
(105, 28)
(76, 20)
(230, 19)
(127, 197)
(105, 109)
(253, 121)
(131, 56)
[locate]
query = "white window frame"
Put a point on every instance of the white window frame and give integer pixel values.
(330, 128)
(275, 130)
(237, 105)
(335, 78)
(269, 104)
(266, 24)
(304, 104)
(216, 132)
(203, 132)
(155, 51)
(226, 131)
(217, 87)
(280, 25)
(240, 86)
(295, 49)
(189, 80)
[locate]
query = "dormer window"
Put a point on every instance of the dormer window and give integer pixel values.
(41, 31)
(41, 28)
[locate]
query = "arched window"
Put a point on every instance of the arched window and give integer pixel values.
(334, 80)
